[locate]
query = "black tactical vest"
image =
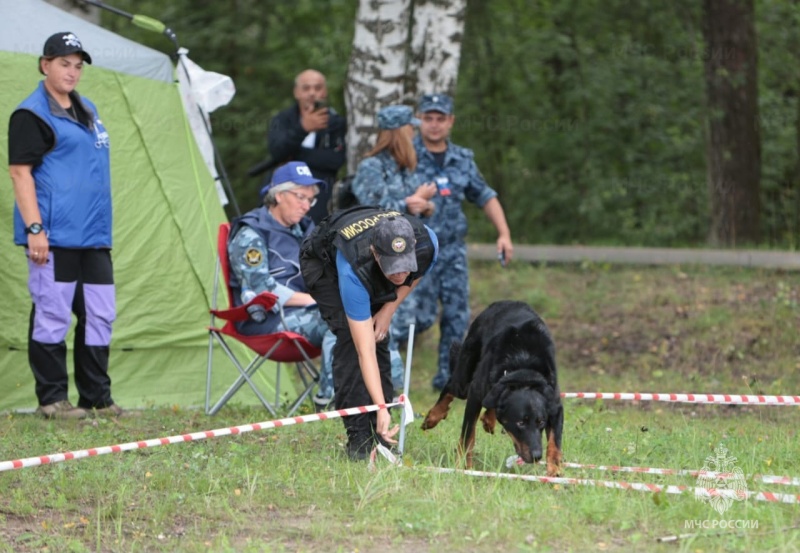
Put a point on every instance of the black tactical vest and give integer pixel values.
(350, 232)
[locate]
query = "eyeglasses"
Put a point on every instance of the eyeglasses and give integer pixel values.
(312, 201)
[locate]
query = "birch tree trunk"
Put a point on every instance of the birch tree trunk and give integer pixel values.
(437, 34)
(733, 144)
(376, 71)
(401, 48)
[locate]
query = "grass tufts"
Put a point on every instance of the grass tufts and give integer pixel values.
(668, 329)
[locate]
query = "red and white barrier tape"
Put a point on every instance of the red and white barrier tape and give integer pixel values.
(59, 457)
(770, 479)
(688, 398)
(763, 478)
(638, 486)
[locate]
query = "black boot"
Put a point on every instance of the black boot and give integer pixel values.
(359, 437)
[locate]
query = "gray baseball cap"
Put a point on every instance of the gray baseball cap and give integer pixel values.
(394, 241)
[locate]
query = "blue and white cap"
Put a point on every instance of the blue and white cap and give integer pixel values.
(296, 172)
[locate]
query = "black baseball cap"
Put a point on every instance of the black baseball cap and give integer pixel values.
(64, 44)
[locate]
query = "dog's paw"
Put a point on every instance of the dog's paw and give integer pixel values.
(437, 413)
(553, 459)
(553, 471)
(430, 422)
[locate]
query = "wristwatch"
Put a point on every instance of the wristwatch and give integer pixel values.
(35, 228)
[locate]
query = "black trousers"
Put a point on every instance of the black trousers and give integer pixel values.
(348, 382)
(78, 282)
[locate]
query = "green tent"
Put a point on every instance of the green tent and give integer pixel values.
(166, 214)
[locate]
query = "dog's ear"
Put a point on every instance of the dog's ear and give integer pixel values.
(493, 397)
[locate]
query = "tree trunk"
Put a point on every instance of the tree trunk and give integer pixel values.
(733, 148)
(394, 60)
(438, 29)
(376, 71)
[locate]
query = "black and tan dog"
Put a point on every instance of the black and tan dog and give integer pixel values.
(506, 365)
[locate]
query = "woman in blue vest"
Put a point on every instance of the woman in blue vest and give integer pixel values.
(58, 152)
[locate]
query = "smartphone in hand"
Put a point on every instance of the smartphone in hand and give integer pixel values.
(501, 257)
(320, 104)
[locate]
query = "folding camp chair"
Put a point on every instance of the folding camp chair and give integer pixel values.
(280, 347)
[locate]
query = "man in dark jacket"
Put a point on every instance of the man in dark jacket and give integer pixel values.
(312, 132)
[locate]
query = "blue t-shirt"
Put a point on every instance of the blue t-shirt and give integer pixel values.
(355, 297)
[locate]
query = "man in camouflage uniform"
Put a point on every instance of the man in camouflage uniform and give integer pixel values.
(457, 178)
(264, 253)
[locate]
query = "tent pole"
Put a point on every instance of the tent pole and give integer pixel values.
(223, 175)
(157, 26)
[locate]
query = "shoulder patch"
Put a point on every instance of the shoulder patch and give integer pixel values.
(253, 257)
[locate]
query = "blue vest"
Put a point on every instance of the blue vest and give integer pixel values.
(283, 247)
(73, 182)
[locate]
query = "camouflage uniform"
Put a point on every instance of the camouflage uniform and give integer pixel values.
(458, 179)
(379, 181)
(250, 260)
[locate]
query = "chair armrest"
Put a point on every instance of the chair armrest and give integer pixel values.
(239, 313)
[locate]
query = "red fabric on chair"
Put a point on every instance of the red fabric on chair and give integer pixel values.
(263, 344)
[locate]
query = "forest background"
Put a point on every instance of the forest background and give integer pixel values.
(589, 118)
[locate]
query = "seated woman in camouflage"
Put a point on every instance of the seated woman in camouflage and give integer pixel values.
(264, 254)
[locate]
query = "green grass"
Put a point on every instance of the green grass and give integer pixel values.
(678, 329)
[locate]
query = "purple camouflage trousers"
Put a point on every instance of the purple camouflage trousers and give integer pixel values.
(79, 282)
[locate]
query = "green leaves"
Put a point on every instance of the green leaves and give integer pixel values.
(587, 117)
